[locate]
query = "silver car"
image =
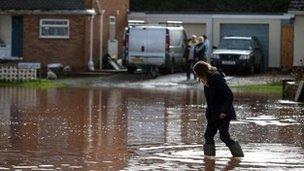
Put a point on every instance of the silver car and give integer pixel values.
(238, 53)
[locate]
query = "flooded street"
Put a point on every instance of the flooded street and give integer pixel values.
(142, 129)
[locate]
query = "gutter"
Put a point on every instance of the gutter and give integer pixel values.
(11, 59)
(50, 12)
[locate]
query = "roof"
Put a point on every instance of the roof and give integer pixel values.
(44, 5)
(296, 5)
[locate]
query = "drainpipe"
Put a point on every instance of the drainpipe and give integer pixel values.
(211, 43)
(101, 39)
(91, 63)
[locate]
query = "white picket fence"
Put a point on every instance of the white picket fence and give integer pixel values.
(13, 73)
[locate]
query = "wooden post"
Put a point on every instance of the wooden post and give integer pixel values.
(287, 47)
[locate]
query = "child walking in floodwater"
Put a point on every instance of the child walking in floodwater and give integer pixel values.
(220, 110)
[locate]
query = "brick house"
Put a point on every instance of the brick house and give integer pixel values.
(70, 32)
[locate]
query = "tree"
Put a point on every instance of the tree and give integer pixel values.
(219, 6)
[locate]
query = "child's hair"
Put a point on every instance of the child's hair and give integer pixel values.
(201, 39)
(203, 70)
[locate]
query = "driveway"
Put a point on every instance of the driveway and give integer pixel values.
(178, 80)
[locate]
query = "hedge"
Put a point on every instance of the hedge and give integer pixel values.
(219, 6)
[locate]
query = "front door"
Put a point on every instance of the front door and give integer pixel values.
(17, 36)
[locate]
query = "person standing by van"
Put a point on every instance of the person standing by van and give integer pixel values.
(200, 50)
(220, 110)
(207, 46)
(189, 56)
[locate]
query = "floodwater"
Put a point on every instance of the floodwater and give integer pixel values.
(136, 129)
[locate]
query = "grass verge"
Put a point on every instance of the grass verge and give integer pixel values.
(42, 84)
(273, 88)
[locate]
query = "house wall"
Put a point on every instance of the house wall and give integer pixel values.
(298, 40)
(195, 29)
(274, 36)
(66, 51)
(193, 23)
(88, 3)
(117, 8)
(75, 50)
(6, 34)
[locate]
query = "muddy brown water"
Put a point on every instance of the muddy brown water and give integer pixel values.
(133, 129)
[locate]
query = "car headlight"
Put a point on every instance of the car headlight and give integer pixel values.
(244, 57)
(215, 56)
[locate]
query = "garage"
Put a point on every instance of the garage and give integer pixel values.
(261, 31)
(195, 29)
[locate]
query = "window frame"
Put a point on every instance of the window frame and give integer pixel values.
(41, 25)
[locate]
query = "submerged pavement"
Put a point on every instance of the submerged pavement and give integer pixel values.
(169, 82)
(120, 128)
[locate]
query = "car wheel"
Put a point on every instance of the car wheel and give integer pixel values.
(131, 70)
(261, 68)
(251, 69)
(258, 68)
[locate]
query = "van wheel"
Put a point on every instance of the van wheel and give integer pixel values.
(154, 72)
(171, 68)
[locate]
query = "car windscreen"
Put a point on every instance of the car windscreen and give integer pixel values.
(235, 44)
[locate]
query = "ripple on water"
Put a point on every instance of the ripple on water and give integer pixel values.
(257, 156)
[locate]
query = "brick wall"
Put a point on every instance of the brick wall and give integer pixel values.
(118, 8)
(88, 3)
(75, 50)
(66, 51)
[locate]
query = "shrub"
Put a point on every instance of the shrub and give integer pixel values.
(255, 6)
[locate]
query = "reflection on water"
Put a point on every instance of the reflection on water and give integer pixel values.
(128, 129)
(189, 157)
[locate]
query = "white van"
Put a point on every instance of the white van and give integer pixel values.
(152, 47)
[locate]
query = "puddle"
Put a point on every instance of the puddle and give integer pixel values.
(142, 129)
(190, 157)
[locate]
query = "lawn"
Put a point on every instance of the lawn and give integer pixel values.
(42, 84)
(273, 88)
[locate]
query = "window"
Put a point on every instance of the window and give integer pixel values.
(235, 44)
(54, 28)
